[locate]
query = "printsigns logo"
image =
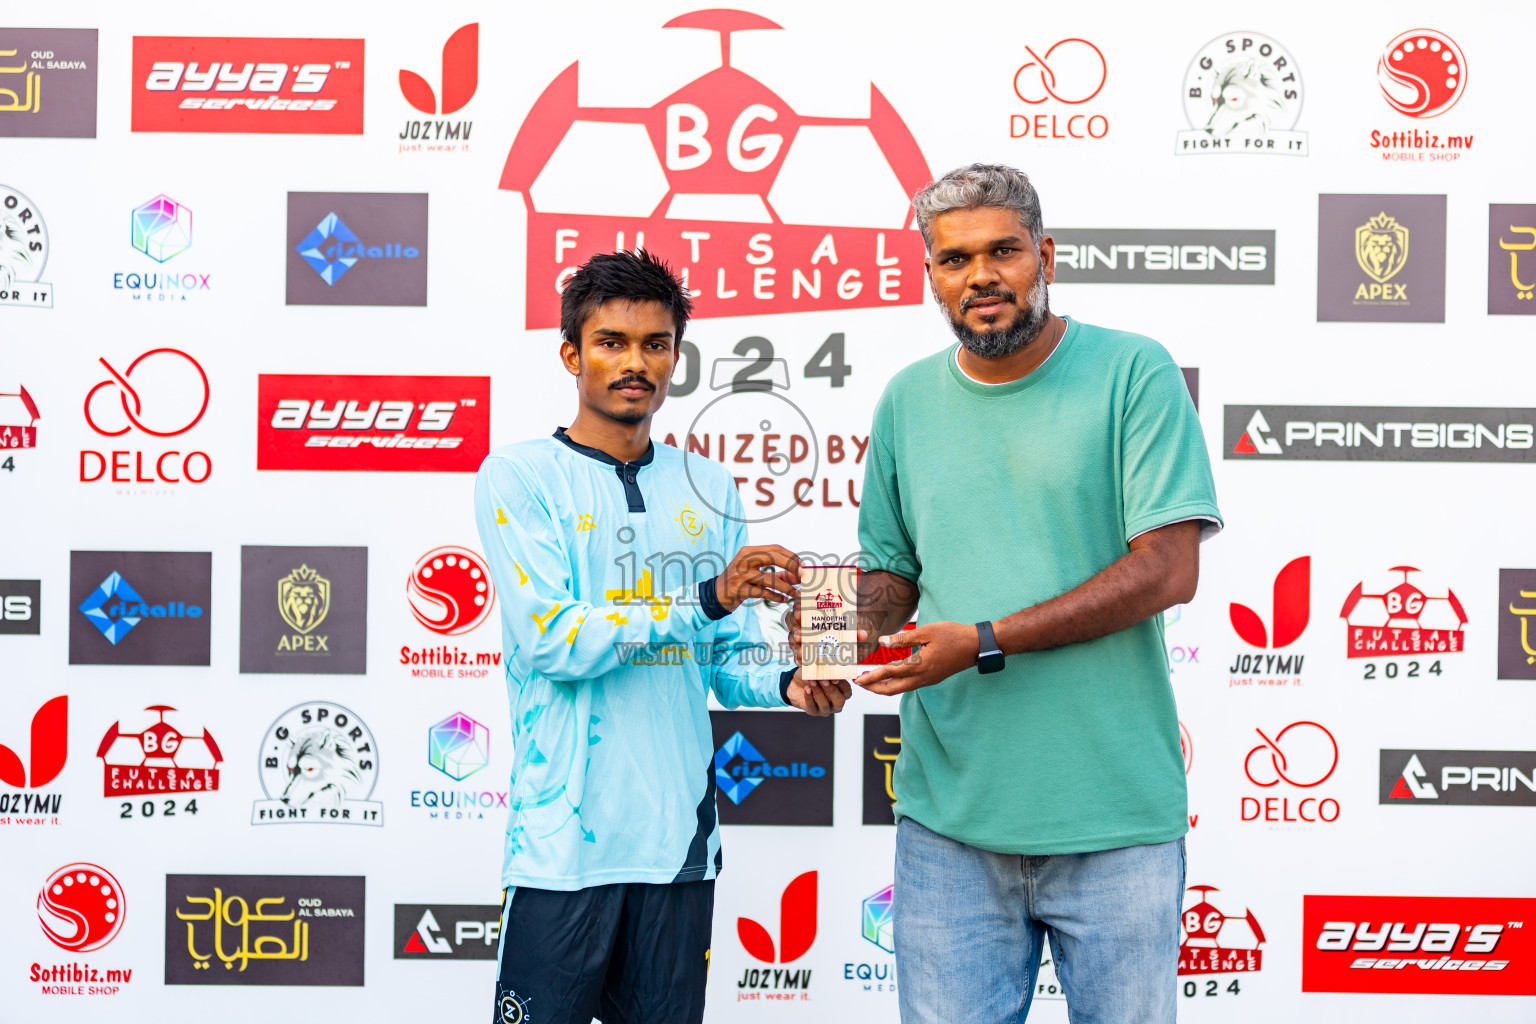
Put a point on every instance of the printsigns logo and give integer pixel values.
(224, 84)
(1482, 778)
(1511, 261)
(1069, 72)
(23, 252)
(140, 607)
(372, 423)
(319, 763)
(1243, 94)
(460, 77)
(1418, 944)
(754, 748)
(48, 81)
(20, 606)
(264, 929)
(159, 759)
(1517, 635)
(47, 749)
(18, 420)
(1364, 270)
(797, 931)
(450, 590)
(1422, 73)
(330, 233)
(446, 931)
(1402, 621)
(81, 907)
(1216, 943)
(882, 745)
(721, 171)
(1364, 433)
(1163, 256)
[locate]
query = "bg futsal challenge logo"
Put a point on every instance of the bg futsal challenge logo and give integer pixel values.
(729, 184)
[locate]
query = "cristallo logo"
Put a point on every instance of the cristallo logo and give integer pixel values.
(728, 183)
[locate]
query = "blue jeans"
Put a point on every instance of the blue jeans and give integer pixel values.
(970, 926)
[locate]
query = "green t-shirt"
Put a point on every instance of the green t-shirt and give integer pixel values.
(996, 497)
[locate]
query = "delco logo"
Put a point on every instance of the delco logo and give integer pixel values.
(223, 84)
(729, 184)
(325, 422)
(1454, 946)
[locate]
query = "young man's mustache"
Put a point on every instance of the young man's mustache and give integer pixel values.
(632, 382)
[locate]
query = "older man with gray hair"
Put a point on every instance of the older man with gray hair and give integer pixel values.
(1040, 490)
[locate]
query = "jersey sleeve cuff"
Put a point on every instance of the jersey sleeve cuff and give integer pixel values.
(708, 602)
(784, 681)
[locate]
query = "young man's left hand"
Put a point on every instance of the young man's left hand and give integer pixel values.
(939, 650)
(817, 696)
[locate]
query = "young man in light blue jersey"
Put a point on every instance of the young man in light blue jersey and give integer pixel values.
(622, 593)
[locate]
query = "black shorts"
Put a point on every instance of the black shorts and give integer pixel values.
(630, 953)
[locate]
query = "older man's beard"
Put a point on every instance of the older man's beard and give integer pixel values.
(1026, 327)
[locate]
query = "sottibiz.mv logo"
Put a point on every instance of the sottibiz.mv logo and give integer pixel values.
(728, 183)
(224, 84)
(401, 424)
(1418, 944)
(1403, 621)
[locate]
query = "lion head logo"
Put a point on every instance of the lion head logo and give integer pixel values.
(322, 769)
(17, 260)
(1381, 247)
(303, 598)
(1246, 100)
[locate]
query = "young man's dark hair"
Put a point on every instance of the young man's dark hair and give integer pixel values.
(637, 277)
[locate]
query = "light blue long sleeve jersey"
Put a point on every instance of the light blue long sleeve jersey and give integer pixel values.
(610, 646)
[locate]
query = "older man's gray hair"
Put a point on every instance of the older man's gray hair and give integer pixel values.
(966, 188)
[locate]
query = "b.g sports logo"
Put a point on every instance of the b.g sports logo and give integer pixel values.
(223, 84)
(728, 183)
(364, 422)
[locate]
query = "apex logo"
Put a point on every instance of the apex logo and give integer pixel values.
(1292, 607)
(49, 747)
(1254, 441)
(461, 75)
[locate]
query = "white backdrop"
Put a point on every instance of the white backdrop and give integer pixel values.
(948, 75)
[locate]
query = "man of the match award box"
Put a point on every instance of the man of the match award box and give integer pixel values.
(828, 607)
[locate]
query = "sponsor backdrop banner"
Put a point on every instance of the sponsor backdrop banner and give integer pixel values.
(273, 283)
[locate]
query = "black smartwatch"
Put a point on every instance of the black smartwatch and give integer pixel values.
(990, 659)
